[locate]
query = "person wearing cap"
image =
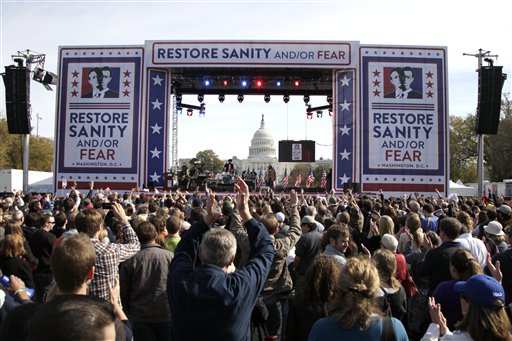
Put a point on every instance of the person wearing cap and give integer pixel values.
(504, 215)
(482, 301)
(494, 231)
(307, 248)
(282, 227)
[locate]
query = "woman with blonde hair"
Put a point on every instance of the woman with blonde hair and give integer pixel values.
(353, 313)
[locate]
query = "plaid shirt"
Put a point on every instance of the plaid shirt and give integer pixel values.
(108, 258)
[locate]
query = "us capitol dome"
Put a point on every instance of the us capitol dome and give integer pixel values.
(262, 144)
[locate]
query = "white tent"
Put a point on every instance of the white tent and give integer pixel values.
(462, 190)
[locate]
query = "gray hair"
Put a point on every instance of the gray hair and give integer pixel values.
(218, 247)
(310, 210)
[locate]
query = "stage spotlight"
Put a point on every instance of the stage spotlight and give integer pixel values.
(200, 98)
(207, 82)
(179, 110)
(296, 83)
(189, 112)
(329, 99)
(278, 83)
(225, 82)
(244, 83)
(222, 97)
(202, 111)
(306, 99)
(266, 98)
(240, 98)
(259, 83)
(286, 98)
(309, 115)
(319, 114)
(178, 98)
(45, 77)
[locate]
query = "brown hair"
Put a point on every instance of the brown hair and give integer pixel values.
(12, 246)
(334, 232)
(413, 222)
(385, 262)
(270, 222)
(89, 221)
(354, 302)
(386, 225)
(71, 262)
(486, 324)
(465, 265)
(320, 282)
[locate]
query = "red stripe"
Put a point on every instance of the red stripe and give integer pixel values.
(403, 187)
(123, 186)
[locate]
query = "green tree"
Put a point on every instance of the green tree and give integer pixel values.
(11, 153)
(497, 147)
(303, 168)
(463, 148)
(210, 161)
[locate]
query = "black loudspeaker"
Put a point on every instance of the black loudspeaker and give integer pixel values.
(490, 84)
(17, 99)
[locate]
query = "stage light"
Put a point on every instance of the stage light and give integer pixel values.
(286, 98)
(319, 114)
(329, 99)
(259, 83)
(331, 113)
(189, 112)
(179, 110)
(207, 82)
(200, 98)
(309, 115)
(240, 98)
(178, 98)
(278, 83)
(296, 83)
(244, 83)
(222, 97)
(202, 111)
(266, 98)
(225, 82)
(45, 77)
(306, 99)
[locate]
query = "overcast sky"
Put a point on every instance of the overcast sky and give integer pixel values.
(461, 26)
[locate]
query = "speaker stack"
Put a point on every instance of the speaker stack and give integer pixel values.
(17, 99)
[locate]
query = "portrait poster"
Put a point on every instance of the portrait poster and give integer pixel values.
(98, 116)
(404, 120)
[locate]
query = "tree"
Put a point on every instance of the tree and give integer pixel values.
(11, 153)
(463, 148)
(210, 161)
(498, 147)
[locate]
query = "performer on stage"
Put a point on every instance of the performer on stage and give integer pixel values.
(270, 177)
(229, 167)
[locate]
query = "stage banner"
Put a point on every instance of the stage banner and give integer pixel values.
(156, 133)
(318, 54)
(98, 116)
(345, 88)
(404, 119)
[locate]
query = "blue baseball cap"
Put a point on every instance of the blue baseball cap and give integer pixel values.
(482, 290)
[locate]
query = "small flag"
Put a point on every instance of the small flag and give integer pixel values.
(298, 180)
(285, 178)
(310, 179)
(323, 181)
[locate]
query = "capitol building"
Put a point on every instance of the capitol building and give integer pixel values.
(263, 152)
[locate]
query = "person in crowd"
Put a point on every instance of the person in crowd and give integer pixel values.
(504, 215)
(307, 248)
(173, 225)
(312, 299)
(108, 256)
(412, 224)
(143, 282)
(462, 266)
(436, 264)
(206, 302)
(482, 301)
(466, 239)
(390, 243)
(429, 222)
(352, 313)
(14, 227)
(392, 297)
(12, 261)
(335, 243)
(41, 244)
(494, 232)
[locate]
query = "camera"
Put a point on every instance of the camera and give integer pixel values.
(106, 205)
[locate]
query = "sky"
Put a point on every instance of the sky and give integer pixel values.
(227, 128)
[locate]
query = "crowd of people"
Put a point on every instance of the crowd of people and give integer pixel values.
(273, 266)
